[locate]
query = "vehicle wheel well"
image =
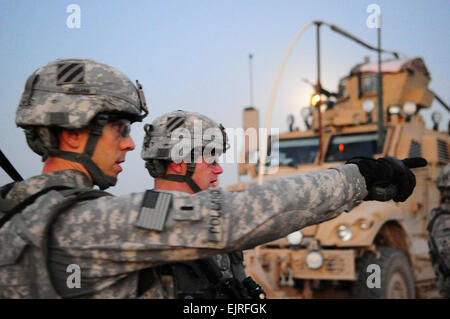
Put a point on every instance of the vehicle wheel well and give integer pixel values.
(392, 234)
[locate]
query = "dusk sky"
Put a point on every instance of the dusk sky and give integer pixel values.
(193, 55)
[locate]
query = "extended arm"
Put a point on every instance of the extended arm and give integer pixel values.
(208, 222)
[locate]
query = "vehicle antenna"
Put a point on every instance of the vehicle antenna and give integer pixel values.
(250, 59)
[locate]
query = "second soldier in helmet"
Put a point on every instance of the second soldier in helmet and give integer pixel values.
(181, 150)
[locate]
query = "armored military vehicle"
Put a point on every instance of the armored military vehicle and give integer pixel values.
(379, 249)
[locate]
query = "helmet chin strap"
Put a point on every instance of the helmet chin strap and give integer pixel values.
(98, 177)
(184, 178)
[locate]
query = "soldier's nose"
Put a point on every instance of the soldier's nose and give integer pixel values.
(127, 144)
(218, 169)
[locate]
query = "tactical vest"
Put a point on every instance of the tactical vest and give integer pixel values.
(24, 236)
(439, 245)
(219, 277)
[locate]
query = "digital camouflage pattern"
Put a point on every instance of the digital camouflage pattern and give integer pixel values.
(443, 179)
(184, 130)
(71, 178)
(101, 238)
(72, 94)
(439, 245)
(69, 93)
(439, 233)
(23, 264)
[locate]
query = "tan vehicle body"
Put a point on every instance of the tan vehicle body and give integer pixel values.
(282, 269)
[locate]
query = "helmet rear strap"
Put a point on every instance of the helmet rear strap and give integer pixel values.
(184, 178)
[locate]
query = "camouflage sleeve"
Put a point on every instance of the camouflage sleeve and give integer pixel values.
(262, 213)
(206, 223)
(283, 206)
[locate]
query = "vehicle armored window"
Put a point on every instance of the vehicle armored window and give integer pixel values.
(345, 146)
(369, 84)
(342, 89)
(294, 151)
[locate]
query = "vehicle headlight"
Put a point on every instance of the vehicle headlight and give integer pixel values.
(295, 238)
(344, 232)
(314, 260)
(409, 108)
(394, 109)
(368, 105)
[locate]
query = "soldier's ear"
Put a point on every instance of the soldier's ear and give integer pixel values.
(174, 168)
(73, 140)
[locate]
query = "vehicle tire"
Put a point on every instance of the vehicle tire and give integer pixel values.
(396, 277)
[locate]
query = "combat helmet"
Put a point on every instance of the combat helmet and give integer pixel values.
(181, 135)
(72, 94)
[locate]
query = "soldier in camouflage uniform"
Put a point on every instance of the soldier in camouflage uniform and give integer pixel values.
(439, 233)
(201, 141)
(77, 114)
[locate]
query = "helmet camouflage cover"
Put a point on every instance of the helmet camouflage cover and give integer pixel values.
(174, 135)
(69, 93)
(72, 94)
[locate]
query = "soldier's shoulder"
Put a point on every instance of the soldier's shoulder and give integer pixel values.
(109, 203)
(30, 186)
(97, 219)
